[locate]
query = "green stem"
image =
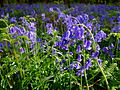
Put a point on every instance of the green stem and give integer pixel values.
(117, 47)
(16, 57)
(108, 88)
(81, 83)
(85, 70)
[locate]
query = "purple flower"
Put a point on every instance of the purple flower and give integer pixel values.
(31, 26)
(51, 9)
(111, 46)
(79, 59)
(32, 36)
(12, 30)
(13, 20)
(118, 19)
(99, 36)
(39, 40)
(66, 35)
(81, 71)
(119, 47)
(54, 51)
(1, 45)
(61, 69)
(79, 33)
(78, 49)
(87, 44)
(116, 29)
(63, 61)
(72, 66)
(97, 47)
(71, 53)
(100, 62)
(65, 47)
(49, 28)
(77, 66)
(95, 54)
(21, 50)
(43, 16)
(105, 49)
(111, 54)
(88, 64)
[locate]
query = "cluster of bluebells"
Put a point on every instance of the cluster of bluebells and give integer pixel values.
(109, 50)
(76, 35)
(27, 29)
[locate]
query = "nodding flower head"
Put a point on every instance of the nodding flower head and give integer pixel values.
(12, 30)
(99, 36)
(88, 64)
(87, 44)
(49, 28)
(95, 54)
(81, 71)
(43, 16)
(66, 35)
(21, 50)
(111, 46)
(78, 49)
(79, 59)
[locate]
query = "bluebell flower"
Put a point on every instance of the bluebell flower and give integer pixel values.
(79, 33)
(111, 54)
(13, 20)
(49, 28)
(61, 68)
(81, 71)
(118, 47)
(62, 62)
(54, 51)
(39, 40)
(105, 49)
(1, 45)
(66, 35)
(86, 18)
(88, 64)
(89, 25)
(95, 54)
(43, 16)
(77, 65)
(111, 46)
(12, 30)
(78, 50)
(21, 50)
(87, 44)
(99, 36)
(72, 65)
(116, 29)
(65, 47)
(51, 9)
(31, 26)
(23, 19)
(32, 36)
(79, 59)
(71, 53)
(97, 47)
(100, 62)
(118, 19)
